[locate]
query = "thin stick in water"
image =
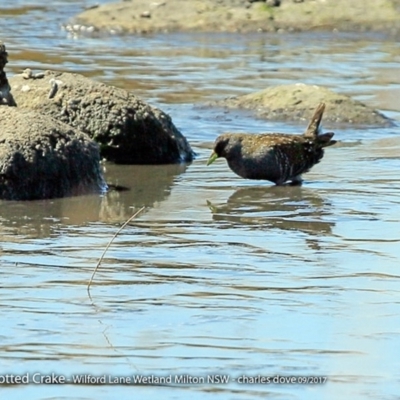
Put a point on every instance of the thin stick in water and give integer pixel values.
(109, 244)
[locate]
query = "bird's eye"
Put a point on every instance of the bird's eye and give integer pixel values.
(219, 148)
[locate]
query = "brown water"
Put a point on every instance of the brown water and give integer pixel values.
(218, 275)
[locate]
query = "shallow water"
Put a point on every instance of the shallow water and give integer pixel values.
(218, 275)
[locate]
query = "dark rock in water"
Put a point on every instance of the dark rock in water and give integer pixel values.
(5, 89)
(297, 102)
(128, 130)
(42, 158)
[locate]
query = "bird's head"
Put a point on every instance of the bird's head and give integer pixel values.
(221, 148)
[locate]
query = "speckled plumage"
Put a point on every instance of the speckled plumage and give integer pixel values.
(276, 157)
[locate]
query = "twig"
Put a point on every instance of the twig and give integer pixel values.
(109, 244)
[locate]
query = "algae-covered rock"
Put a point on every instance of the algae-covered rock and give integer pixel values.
(298, 101)
(42, 158)
(128, 130)
(143, 16)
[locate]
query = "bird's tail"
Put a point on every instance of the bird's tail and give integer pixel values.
(313, 129)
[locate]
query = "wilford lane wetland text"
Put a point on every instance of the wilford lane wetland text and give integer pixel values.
(87, 379)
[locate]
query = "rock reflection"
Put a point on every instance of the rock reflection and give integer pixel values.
(282, 207)
(146, 185)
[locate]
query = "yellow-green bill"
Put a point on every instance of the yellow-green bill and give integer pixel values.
(212, 158)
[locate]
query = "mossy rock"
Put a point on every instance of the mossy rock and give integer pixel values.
(143, 16)
(297, 102)
(128, 130)
(42, 158)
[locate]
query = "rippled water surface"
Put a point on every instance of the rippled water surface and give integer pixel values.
(218, 275)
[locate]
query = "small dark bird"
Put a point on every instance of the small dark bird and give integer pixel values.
(276, 157)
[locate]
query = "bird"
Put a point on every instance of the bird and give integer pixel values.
(275, 157)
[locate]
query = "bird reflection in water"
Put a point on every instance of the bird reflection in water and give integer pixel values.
(287, 208)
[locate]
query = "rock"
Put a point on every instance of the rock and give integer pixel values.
(6, 97)
(176, 15)
(273, 3)
(128, 130)
(239, 15)
(145, 14)
(298, 101)
(42, 158)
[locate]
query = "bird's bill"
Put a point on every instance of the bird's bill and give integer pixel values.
(212, 158)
